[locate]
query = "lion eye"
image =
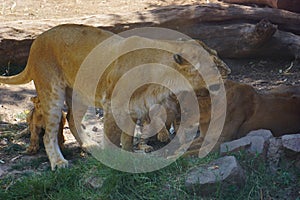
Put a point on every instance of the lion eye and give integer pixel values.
(178, 59)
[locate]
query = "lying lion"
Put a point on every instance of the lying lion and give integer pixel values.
(57, 63)
(36, 121)
(277, 110)
(247, 110)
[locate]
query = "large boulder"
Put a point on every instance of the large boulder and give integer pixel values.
(222, 173)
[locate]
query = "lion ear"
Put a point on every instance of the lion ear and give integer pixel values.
(203, 92)
(34, 99)
(179, 59)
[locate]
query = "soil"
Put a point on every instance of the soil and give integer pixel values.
(56, 9)
(263, 74)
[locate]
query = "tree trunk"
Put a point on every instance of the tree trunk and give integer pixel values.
(16, 37)
(290, 5)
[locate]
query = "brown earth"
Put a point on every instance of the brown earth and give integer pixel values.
(55, 9)
(263, 74)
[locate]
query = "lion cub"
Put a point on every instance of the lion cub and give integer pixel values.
(35, 120)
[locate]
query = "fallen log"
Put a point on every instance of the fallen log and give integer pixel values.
(248, 40)
(290, 5)
(16, 37)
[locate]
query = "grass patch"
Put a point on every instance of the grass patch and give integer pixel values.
(14, 148)
(22, 115)
(32, 163)
(89, 179)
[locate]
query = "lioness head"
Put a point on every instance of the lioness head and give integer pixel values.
(207, 68)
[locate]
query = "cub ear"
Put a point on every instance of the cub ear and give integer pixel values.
(179, 59)
(34, 99)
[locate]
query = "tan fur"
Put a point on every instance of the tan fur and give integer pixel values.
(155, 112)
(277, 110)
(56, 56)
(285, 90)
(36, 121)
(172, 108)
(247, 110)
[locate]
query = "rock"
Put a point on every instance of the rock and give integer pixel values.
(224, 172)
(266, 134)
(94, 182)
(92, 179)
(252, 144)
(235, 145)
(258, 145)
(274, 153)
(291, 142)
(259, 141)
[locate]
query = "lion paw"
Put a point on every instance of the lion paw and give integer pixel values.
(32, 149)
(146, 148)
(61, 163)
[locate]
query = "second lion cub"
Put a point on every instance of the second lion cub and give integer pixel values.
(36, 121)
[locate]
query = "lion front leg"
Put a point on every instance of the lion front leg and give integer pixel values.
(127, 141)
(114, 133)
(111, 130)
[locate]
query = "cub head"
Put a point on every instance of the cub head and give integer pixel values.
(36, 105)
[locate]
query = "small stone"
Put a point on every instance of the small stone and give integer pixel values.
(92, 179)
(254, 144)
(224, 172)
(291, 142)
(258, 145)
(235, 145)
(94, 182)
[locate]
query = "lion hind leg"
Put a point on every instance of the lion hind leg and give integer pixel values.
(76, 130)
(52, 109)
(60, 136)
(75, 116)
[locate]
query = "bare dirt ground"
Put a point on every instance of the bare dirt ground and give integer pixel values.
(263, 74)
(56, 9)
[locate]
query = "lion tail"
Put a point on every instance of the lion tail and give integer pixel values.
(21, 78)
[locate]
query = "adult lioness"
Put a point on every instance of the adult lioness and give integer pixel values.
(55, 61)
(277, 110)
